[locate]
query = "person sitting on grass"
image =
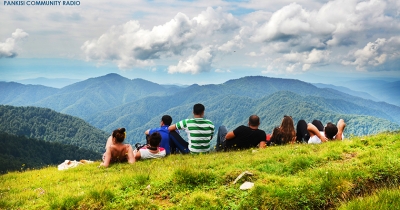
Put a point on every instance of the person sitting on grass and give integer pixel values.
(116, 151)
(152, 150)
(200, 131)
(315, 132)
(166, 121)
(283, 134)
(243, 137)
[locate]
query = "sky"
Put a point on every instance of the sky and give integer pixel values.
(201, 41)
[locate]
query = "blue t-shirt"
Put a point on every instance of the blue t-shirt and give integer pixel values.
(163, 130)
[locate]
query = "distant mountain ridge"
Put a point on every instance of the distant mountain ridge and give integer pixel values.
(49, 82)
(382, 90)
(85, 98)
(347, 90)
(113, 101)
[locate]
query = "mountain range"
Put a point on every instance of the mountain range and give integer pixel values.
(113, 101)
(382, 90)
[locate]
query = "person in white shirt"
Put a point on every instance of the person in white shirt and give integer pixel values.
(152, 150)
(317, 133)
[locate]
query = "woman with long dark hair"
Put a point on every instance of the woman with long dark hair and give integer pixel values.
(285, 133)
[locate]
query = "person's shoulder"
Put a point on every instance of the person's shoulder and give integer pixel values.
(243, 126)
(261, 131)
(162, 128)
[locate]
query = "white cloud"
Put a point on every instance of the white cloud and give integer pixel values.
(296, 61)
(231, 44)
(285, 36)
(8, 48)
(299, 38)
(129, 44)
(201, 62)
(377, 53)
(223, 71)
(332, 24)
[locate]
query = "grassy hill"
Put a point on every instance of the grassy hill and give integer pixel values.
(359, 173)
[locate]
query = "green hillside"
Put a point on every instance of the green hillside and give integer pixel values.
(21, 153)
(358, 173)
(51, 126)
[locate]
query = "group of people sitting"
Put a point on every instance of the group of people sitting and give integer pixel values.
(166, 140)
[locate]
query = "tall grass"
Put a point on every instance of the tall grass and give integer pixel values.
(330, 175)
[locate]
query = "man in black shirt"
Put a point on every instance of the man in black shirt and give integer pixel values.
(243, 137)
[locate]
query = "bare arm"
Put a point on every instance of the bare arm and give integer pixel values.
(341, 125)
(230, 135)
(107, 158)
(131, 158)
(109, 142)
(147, 132)
(136, 155)
(172, 127)
(315, 132)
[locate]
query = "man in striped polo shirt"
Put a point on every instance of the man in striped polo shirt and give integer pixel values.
(200, 131)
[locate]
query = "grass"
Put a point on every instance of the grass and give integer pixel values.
(360, 173)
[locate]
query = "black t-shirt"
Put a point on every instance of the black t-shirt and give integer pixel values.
(245, 137)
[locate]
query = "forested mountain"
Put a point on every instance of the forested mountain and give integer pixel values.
(384, 91)
(85, 98)
(89, 98)
(112, 101)
(20, 152)
(94, 95)
(349, 91)
(51, 126)
(389, 92)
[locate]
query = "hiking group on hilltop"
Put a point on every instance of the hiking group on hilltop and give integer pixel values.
(165, 140)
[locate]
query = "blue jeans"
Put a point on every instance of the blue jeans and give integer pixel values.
(222, 131)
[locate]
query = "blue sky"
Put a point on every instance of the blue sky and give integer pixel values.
(202, 41)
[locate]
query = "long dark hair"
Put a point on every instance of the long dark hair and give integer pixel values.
(287, 129)
(285, 133)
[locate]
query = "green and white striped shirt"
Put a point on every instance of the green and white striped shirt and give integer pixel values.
(200, 132)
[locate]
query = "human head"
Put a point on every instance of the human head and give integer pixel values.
(330, 130)
(287, 122)
(254, 120)
(166, 119)
(119, 134)
(198, 109)
(155, 139)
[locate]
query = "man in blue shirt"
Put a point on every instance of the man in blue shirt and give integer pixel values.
(166, 121)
